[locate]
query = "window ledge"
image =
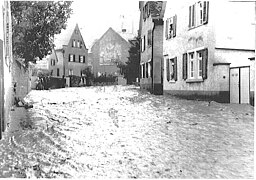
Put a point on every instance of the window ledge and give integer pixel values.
(172, 81)
(194, 80)
(194, 27)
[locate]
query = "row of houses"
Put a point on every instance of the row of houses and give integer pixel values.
(70, 55)
(198, 49)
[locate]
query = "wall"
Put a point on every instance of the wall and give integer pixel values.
(110, 46)
(146, 55)
(234, 24)
(235, 57)
(22, 78)
(217, 82)
(6, 64)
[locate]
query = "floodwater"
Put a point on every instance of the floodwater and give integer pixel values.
(121, 132)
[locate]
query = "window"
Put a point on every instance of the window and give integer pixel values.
(70, 72)
(144, 43)
(74, 43)
(142, 70)
(146, 11)
(171, 69)
(58, 72)
(191, 65)
(78, 44)
(149, 69)
(198, 14)
(52, 62)
(200, 64)
(170, 27)
(149, 38)
(72, 58)
(82, 59)
(195, 62)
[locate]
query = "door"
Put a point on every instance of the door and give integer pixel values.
(239, 85)
(234, 85)
(245, 85)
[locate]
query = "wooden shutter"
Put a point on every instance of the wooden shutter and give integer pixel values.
(189, 17)
(74, 58)
(205, 12)
(175, 69)
(166, 28)
(174, 25)
(167, 69)
(144, 43)
(185, 65)
(69, 57)
(205, 63)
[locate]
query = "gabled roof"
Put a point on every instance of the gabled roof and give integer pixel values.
(112, 30)
(64, 37)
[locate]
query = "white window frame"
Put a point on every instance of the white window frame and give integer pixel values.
(78, 44)
(191, 69)
(200, 13)
(74, 43)
(71, 58)
(149, 68)
(81, 59)
(70, 72)
(171, 68)
(197, 13)
(200, 67)
(196, 64)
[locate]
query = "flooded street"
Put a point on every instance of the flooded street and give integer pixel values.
(119, 131)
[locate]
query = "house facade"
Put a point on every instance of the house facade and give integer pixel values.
(206, 51)
(107, 52)
(70, 55)
(151, 35)
(6, 61)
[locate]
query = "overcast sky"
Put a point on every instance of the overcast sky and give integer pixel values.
(94, 17)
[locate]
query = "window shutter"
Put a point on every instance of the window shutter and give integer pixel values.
(185, 64)
(167, 69)
(144, 42)
(189, 17)
(84, 58)
(205, 63)
(167, 28)
(141, 45)
(175, 69)
(74, 58)
(174, 25)
(205, 12)
(69, 58)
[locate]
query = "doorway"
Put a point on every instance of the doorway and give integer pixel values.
(240, 85)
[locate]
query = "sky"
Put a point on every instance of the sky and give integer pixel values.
(94, 17)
